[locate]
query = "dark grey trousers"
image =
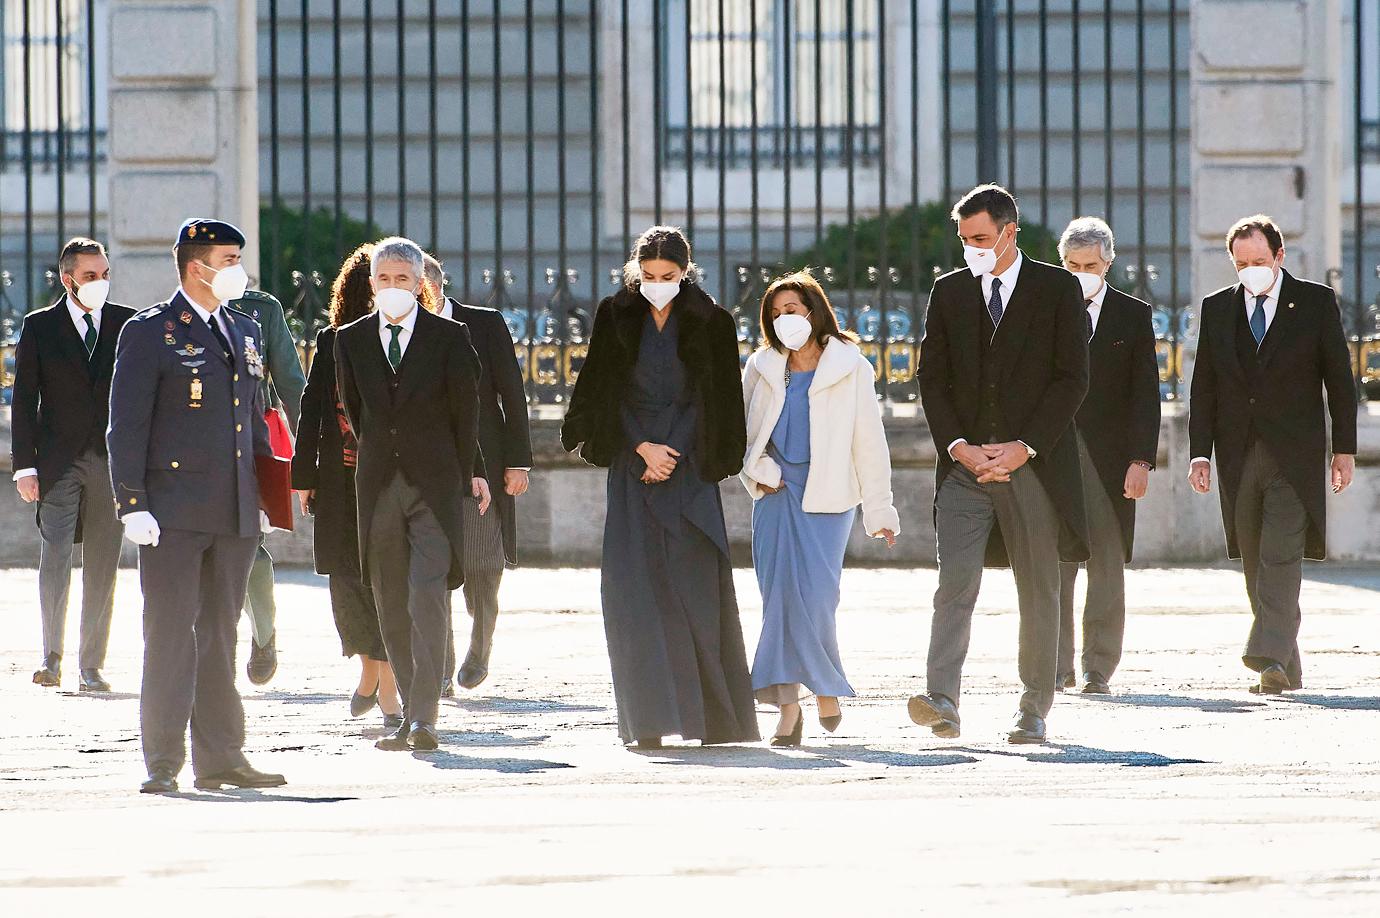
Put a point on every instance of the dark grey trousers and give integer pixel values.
(1271, 526)
(1104, 609)
(484, 564)
(83, 490)
(965, 514)
(260, 607)
(409, 563)
(194, 584)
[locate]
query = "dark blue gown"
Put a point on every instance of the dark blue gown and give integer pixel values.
(670, 613)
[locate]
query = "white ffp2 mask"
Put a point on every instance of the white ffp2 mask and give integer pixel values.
(229, 283)
(92, 294)
(980, 261)
(1257, 279)
(394, 302)
(659, 293)
(793, 330)
(1091, 283)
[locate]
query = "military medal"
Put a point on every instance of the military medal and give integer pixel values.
(168, 325)
(186, 317)
(193, 351)
(169, 340)
(252, 359)
(195, 394)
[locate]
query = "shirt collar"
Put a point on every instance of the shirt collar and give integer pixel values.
(1099, 297)
(447, 309)
(205, 316)
(407, 322)
(75, 310)
(1009, 276)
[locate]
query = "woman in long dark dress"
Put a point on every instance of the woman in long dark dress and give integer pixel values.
(323, 473)
(659, 402)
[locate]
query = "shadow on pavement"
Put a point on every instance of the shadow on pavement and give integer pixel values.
(1208, 705)
(1335, 702)
(822, 756)
(340, 698)
(103, 696)
(1069, 754)
(445, 759)
(500, 705)
(492, 738)
(249, 795)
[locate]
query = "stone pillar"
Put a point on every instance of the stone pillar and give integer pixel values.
(1266, 132)
(183, 133)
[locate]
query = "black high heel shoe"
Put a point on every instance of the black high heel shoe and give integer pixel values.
(831, 723)
(363, 704)
(793, 738)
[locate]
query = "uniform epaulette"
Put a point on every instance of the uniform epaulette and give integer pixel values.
(150, 312)
(259, 295)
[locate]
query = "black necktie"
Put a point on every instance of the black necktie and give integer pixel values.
(1087, 314)
(220, 335)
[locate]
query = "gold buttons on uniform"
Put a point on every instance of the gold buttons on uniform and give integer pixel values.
(237, 454)
(237, 377)
(237, 403)
(239, 427)
(194, 371)
(174, 464)
(133, 501)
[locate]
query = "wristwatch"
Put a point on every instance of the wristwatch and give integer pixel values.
(1143, 464)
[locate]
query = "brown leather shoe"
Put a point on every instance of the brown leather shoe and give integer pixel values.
(243, 776)
(938, 712)
(50, 675)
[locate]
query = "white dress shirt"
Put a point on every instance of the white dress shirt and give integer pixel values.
(1095, 306)
(1271, 305)
(1008, 280)
(76, 312)
(407, 322)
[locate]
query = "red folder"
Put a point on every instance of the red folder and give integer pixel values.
(275, 489)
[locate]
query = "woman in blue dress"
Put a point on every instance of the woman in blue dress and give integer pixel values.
(659, 403)
(816, 450)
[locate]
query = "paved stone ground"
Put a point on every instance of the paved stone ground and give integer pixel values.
(1181, 794)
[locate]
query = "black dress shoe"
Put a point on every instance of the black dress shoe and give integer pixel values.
(422, 738)
(938, 712)
(1274, 680)
(471, 675)
(1095, 684)
(1065, 681)
(243, 776)
(363, 704)
(392, 721)
(50, 675)
(263, 661)
(398, 741)
(792, 739)
(92, 681)
(162, 781)
(1028, 729)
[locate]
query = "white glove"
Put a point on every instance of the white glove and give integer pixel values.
(264, 525)
(141, 528)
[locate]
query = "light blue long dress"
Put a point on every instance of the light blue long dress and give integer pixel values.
(799, 560)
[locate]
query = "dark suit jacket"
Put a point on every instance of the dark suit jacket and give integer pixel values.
(1120, 418)
(189, 462)
(1303, 353)
(319, 464)
(1041, 348)
(709, 349)
(504, 435)
(61, 399)
(422, 421)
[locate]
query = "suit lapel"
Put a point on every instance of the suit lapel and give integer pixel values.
(419, 349)
(1228, 330)
(1020, 309)
(103, 359)
(67, 336)
(1283, 325)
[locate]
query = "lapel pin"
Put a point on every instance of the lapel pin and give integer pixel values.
(1291, 305)
(186, 317)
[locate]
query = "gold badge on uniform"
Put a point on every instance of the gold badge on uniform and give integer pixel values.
(169, 340)
(186, 317)
(195, 394)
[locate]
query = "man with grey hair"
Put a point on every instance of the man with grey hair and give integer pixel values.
(1118, 431)
(408, 382)
(491, 539)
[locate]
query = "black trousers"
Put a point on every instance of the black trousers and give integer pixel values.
(194, 585)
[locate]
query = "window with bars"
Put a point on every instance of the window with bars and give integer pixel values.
(47, 83)
(799, 61)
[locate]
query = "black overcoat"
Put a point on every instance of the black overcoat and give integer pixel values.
(1303, 352)
(1120, 418)
(1042, 351)
(422, 421)
(709, 349)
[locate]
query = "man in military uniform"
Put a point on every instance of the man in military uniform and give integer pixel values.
(186, 421)
(281, 387)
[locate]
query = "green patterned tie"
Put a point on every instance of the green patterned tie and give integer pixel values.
(89, 339)
(394, 348)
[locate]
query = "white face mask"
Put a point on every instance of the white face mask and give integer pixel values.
(92, 294)
(793, 330)
(229, 283)
(1091, 283)
(394, 302)
(660, 293)
(1257, 279)
(980, 261)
